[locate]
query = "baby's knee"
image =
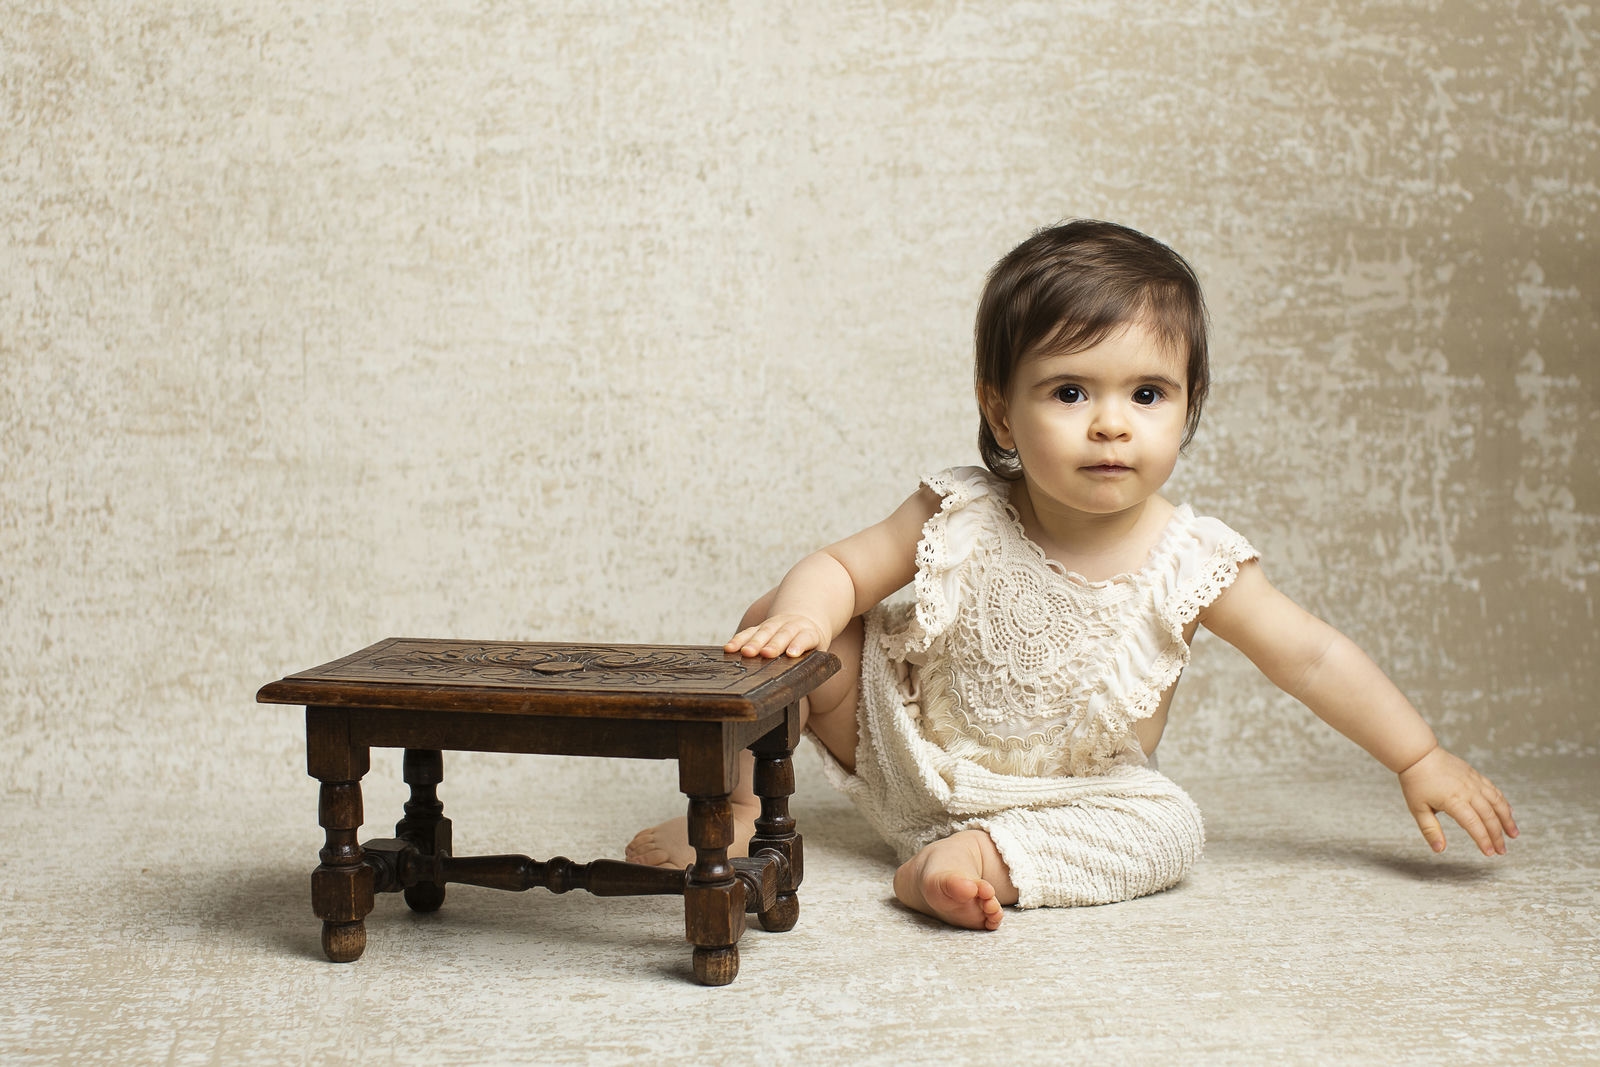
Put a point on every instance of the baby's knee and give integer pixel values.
(841, 692)
(1077, 855)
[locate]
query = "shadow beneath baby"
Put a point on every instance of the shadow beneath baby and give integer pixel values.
(1461, 865)
(1456, 869)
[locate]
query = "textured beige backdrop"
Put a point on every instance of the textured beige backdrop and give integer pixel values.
(584, 320)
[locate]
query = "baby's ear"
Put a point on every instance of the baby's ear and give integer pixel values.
(992, 406)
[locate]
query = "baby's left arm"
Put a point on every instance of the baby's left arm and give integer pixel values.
(1323, 669)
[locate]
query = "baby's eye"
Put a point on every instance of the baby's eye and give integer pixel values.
(1069, 394)
(1146, 395)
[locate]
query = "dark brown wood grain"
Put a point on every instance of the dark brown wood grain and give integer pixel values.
(676, 682)
(692, 704)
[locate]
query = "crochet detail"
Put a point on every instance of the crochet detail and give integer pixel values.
(1029, 669)
(935, 605)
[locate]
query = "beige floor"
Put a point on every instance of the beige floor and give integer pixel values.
(156, 928)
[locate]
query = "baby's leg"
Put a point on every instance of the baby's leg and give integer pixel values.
(960, 879)
(829, 712)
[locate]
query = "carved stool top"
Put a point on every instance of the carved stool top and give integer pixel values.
(680, 682)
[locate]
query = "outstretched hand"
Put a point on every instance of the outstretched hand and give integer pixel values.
(778, 635)
(1439, 782)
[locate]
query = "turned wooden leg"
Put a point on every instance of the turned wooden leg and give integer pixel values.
(774, 784)
(714, 897)
(424, 824)
(341, 886)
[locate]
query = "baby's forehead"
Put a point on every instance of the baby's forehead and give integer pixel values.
(1132, 343)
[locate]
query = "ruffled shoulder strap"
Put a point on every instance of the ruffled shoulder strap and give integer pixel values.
(972, 507)
(1206, 556)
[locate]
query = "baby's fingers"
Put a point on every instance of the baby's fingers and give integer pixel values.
(755, 641)
(751, 640)
(1477, 817)
(774, 637)
(1431, 830)
(1441, 782)
(1484, 833)
(1485, 815)
(740, 640)
(1502, 808)
(1495, 815)
(796, 638)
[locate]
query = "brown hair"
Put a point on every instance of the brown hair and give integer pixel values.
(1067, 288)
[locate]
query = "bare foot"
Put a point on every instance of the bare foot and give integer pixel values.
(667, 845)
(946, 880)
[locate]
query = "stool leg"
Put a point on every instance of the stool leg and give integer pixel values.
(775, 827)
(714, 897)
(424, 824)
(341, 886)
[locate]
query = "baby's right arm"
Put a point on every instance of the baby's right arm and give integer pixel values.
(823, 592)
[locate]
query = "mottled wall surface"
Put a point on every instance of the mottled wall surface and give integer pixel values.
(324, 323)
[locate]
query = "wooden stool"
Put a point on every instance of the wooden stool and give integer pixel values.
(696, 705)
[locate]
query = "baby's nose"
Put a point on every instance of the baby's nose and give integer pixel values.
(1110, 421)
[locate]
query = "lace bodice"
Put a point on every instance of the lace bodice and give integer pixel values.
(1027, 669)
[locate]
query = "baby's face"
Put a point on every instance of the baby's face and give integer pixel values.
(1097, 431)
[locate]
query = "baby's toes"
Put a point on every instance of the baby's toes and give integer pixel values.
(988, 907)
(644, 849)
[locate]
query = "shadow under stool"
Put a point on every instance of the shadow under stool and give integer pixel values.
(697, 705)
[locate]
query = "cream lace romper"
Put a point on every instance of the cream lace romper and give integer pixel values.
(1004, 698)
